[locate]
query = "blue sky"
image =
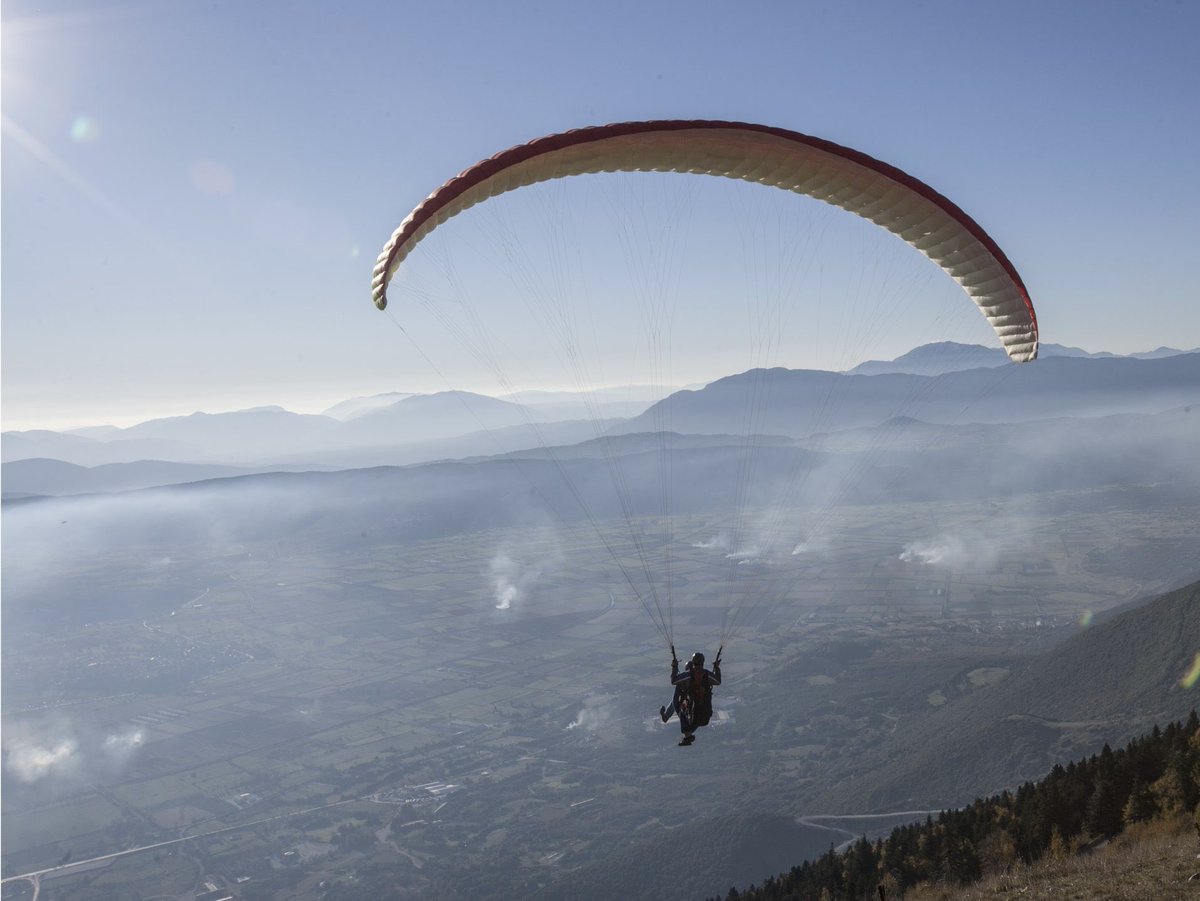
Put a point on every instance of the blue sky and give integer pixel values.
(194, 192)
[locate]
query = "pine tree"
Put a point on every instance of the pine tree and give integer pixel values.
(1142, 804)
(1104, 817)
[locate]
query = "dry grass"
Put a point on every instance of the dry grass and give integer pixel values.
(1145, 863)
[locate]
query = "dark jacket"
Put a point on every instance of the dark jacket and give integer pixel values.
(698, 690)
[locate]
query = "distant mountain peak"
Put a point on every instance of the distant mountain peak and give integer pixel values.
(936, 348)
(935, 359)
(357, 406)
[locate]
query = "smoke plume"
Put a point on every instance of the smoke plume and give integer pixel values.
(61, 749)
(596, 715)
(31, 762)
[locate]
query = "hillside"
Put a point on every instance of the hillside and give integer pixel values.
(1154, 862)
(1108, 683)
(26, 478)
(1143, 793)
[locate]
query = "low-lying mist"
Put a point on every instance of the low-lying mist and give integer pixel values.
(781, 510)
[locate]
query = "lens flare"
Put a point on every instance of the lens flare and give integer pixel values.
(1193, 674)
(1085, 619)
(85, 130)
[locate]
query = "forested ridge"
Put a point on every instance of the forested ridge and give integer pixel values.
(1086, 802)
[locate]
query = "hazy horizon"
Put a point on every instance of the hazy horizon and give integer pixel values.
(313, 406)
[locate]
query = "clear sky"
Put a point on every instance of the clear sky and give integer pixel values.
(194, 192)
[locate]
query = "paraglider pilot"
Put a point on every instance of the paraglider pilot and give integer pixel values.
(693, 694)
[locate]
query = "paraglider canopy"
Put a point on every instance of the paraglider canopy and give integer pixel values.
(789, 160)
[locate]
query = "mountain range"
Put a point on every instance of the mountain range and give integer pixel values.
(804, 402)
(950, 356)
(401, 429)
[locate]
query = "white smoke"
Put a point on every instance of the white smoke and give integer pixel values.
(510, 580)
(764, 537)
(923, 552)
(505, 595)
(745, 553)
(516, 568)
(964, 550)
(31, 762)
(719, 542)
(813, 546)
(61, 749)
(595, 716)
(121, 745)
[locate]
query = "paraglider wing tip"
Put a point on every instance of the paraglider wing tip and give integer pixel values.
(379, 291)
(1026, 354)
(380, 276)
